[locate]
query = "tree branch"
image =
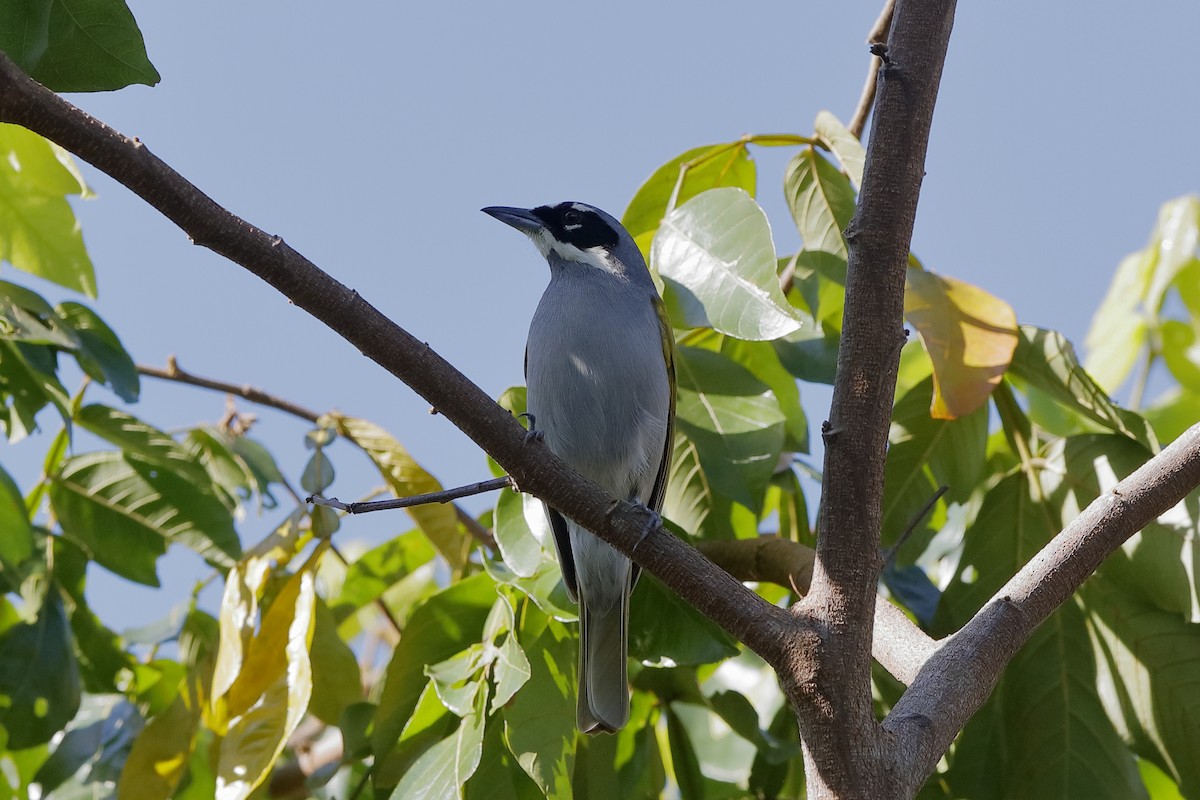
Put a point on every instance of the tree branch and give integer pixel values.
(957, 680)
(879, 33)
(899, 645)
(766, 629)
(174, 372)
(841, 737)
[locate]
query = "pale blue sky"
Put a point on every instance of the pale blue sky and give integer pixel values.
(368, 135)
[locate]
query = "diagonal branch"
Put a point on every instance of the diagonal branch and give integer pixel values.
(760, 625)
(957, 680)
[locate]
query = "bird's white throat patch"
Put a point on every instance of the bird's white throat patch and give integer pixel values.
(595, 257)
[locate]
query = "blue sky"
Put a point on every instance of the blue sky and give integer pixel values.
(370, 136)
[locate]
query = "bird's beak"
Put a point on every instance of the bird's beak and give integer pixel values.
(522, 219)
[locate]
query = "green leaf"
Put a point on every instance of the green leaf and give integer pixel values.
(25, 316)
(220, 454)
(1135, 297)
(545, 587)
(38, 230)
(1150, 658)
(405, 477)
(1156, 563)
(443, 625)
(690, 502)
(666, 631)
(39, 677)
(456, 679)
(821, 200)
(1173, 413)
(843, 144)
(733, 420)
(76, 45)
(1047, 732)
(27, 376)
(511, 671)
(100, 353)
(443, 769)
(519, 545)
(16, 539)
(1047, 360)
(969, 334)
(762, 359)
(684, 764)
(540, 719)
(337, 683)
(132, 435)
(272, 690)
(499, 776)
(125, 509)
(717, 261)
(90, 753)
(159, 757)
(627, 764)
(700, 169)
(377, 570)
(923, 454)
(1181, 352)
(318, 473)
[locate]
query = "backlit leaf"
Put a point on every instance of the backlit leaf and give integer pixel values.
(717, 261)
(272, 691)
(1047, 360)
(821, 200)
(734, 421)
(969, 334)
(405, 477)
(38, 230)
(540, 719)
(834, 135)
(700, 169)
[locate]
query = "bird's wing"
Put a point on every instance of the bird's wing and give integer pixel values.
(562, 535)
(668, 347)
(658, 493)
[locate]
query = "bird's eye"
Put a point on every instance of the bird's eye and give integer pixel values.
(572, 217)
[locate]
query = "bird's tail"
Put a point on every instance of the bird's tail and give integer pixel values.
(603, 684)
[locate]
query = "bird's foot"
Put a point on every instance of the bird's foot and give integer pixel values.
(653, 524)
(533, 434)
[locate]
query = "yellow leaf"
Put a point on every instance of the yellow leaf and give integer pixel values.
(405, 477)
(160, 752)
(970, 336)
(273, 688)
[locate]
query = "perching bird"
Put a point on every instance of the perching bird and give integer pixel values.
(599, 365)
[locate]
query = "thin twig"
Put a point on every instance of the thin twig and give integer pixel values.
(912, 526)
(415, 500)
(485, 536)
(866, 100)
(173, 372)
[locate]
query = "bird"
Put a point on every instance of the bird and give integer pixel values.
(600, 378)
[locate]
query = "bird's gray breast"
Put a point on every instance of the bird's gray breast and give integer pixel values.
(597, 380)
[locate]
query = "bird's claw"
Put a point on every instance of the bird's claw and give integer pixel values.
(533, 434)
(652, 524)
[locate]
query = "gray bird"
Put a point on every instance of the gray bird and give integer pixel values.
(599, 365)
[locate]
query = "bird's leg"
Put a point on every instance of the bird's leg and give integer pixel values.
(533, 434)
(652, 524)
